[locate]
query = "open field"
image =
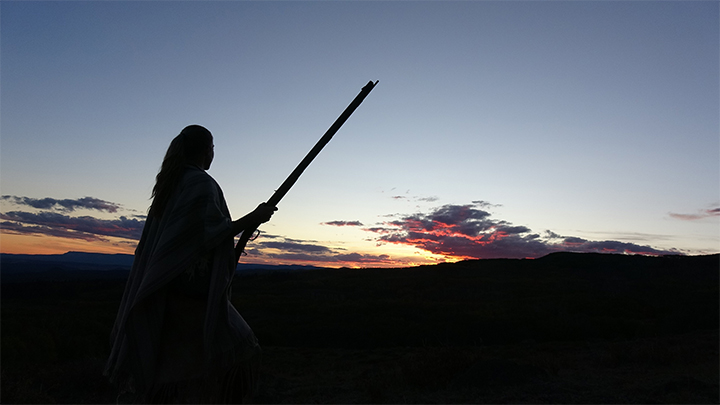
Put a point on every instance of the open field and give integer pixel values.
(566, 328)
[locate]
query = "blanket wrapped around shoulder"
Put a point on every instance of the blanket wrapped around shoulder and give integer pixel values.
(176, 327)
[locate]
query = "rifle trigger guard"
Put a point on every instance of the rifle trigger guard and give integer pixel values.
(255, 235)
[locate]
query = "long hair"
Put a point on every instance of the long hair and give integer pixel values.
(193, 141)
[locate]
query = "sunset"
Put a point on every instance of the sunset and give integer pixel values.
(520, 202)
(497, 129)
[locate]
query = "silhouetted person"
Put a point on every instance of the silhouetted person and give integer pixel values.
(177, 337)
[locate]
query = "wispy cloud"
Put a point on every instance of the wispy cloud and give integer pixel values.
(414, 198)
(280, 249)
(63, 205)
(631, 236)
(701, 214)
(295, 247)
(21, 229)
(469, 232)
(60, 225)
(343, 223)
(485, 204)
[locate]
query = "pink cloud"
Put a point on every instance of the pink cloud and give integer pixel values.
(468, 232)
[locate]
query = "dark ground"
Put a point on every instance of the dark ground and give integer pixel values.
(567, 328)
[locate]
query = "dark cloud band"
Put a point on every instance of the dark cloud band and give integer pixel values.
(55, 224)
(64, 205)
(343, 223)
(21, 229)
(299, 251)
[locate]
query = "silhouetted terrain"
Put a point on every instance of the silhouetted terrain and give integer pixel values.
(91, 266)
(572, 328)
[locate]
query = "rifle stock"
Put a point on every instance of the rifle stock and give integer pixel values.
(295, 175)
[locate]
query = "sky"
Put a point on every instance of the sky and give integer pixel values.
(506, 129)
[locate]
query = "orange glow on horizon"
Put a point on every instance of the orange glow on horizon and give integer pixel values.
(47, 245)
(389, 263)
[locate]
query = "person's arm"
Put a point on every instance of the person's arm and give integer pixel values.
(260, 215)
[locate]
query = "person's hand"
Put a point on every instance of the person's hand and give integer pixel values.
(263, 213)
(251, 221)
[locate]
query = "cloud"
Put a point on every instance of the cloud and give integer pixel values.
(20, 229)
(84, 227)
(280, 249)
(701, 214)
(343, 223)
(551, 235)
(414, 198)
(468, 232)
(52, 219)
(295, 247)
(485, 204)
(613, 246)
(334, 258)
(634, 236)
(63, 205)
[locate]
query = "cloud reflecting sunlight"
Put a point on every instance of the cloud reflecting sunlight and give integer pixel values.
(469, 232)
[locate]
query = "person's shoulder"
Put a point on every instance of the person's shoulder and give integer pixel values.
(196, 177)
(195, 172)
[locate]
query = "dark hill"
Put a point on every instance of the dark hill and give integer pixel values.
(565, 328)
(89, 266)
(72, 258)
(556, 298)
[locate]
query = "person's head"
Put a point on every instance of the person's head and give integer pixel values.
(193, 146)
(196, 144)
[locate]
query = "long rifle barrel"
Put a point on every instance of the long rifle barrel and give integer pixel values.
(290, 181)
(295, 175)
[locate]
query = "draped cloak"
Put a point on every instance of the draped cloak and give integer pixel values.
(161, 336)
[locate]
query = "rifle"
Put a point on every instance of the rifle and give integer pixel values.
(293, 177)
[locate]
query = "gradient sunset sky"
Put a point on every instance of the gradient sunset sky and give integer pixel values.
(498, 129)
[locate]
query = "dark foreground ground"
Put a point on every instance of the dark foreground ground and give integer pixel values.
(561, 329)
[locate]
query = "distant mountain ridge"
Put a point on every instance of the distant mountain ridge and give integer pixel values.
(102, 259)
(74, 265)
(83, 265)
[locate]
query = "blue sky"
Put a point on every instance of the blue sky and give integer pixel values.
(592, 121)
